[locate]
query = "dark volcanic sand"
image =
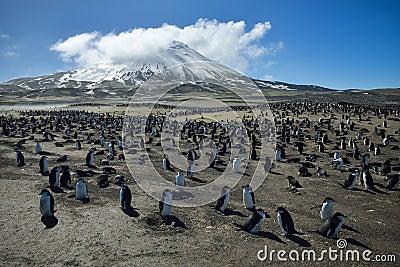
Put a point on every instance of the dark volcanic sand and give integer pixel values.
(98, 233)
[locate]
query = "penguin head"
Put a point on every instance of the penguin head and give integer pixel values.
(80, 181)
(261, 211)
(329, 200)
(225, 189)
(280, 210)
(44, 192)
(339, 215)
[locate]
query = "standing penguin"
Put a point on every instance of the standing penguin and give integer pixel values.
(80, 190)
(367, 180)
(365, 161)
(254, 221)
(38, 148)
(332, 226)
(78, 145)
(20, 158)
(351, 180)
(65, 180)
(165, 203)
(90, 157)
(248, 197)
(125, 198)
(387, 167)
(327, 209)
(44, 166)
(285, 221)
(166, 163)
(222, 202)
(54, 177)
(236, 164)
(180, 181)
(46, 203)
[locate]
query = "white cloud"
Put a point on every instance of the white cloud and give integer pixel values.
(3, 35)
(10, 54)
(226, 42)
(268, 77)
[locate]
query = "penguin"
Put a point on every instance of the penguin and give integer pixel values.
(109, 170)
(278, 156)
(248, 197)
(377, 151)
(371, 147)
(125, 198)
(338, 163)
(327, 208)
(285, 222)
(90, 157)
(387, 167)
(222, 202)
(292, 182)
(303, 171)
(332, 226)
(102, 181)
(44, 166)
(351, 180)
(365, 161)
(80, 190)
(180, 181)
(38, 148)
(321, 172)
(54, 177)
(336, 155)
(236, 165)
(254, 221)
(164, 204)
(78, 145)
(20, 159)
(392, 181)
(46, 203)
(267, 165)
(166, 163)
(367, 180)
(65, 180)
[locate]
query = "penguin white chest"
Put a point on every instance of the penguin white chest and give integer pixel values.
(326, 211)
(257, 226)
(45, 209)
(236, 165)
(281, 224)
(57, 182)
(226, 200)
(247, 199)
(81, 191)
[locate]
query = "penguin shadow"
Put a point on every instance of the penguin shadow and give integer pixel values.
(376, 190)
(219, 169)
(55, 189)
(229, 212)
(298, 240)
(131, 212)
(45, 153)
(173, 221)
(293, 160)
(49, 221)
(276, 173)
(384, 187)
(270, 235)
(90, 166)
(194, 179)
(349, 228)
(179, 195)
(356, 243)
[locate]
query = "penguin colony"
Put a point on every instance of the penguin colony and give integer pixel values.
(354, 158)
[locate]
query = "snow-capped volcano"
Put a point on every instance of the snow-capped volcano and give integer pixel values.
(114, 75)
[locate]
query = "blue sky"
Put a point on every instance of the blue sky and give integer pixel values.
(336, 44)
